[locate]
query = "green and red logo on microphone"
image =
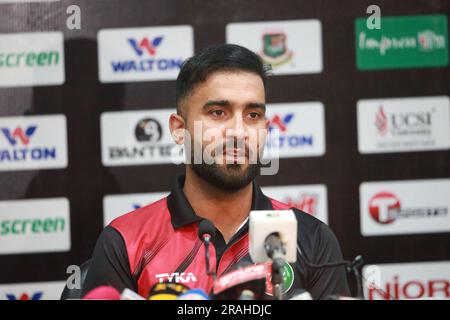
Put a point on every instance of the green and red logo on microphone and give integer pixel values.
(288, 280)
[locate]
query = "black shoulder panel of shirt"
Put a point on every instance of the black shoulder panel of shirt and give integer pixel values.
(316, 242)
(109, 265)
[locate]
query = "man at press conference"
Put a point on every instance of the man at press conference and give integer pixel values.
(222, 88)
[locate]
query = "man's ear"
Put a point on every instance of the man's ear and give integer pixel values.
(177, 127)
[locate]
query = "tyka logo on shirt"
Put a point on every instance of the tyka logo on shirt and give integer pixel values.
(176, 277)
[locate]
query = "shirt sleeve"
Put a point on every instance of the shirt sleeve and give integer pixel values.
(109, 265)
(328, 281)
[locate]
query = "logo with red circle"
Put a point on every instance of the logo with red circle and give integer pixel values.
(383, 207)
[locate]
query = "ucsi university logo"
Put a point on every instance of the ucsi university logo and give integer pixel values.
(381, 121)
(405, 123)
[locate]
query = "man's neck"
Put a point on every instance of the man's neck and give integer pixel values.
(225, 209)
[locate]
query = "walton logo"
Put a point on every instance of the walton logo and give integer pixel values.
(381, 121)
(145, 44)
(280, 123)
(19, 134)
(25, 153)
(25, 296)
(286, 140)
(176, 277)
(145, 63)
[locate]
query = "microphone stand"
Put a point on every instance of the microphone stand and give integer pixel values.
(350, 267)
(354, 267)
(276, 251)
(206, 232)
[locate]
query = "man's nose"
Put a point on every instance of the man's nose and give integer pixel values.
(238, 128)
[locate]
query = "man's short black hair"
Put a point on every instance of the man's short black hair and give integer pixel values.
(217, 58)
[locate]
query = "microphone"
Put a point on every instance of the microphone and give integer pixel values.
(277, 230)
(206, 231)
(194, 294)
(273, 237)
(102, 293)
(167, 291)
(247, 283)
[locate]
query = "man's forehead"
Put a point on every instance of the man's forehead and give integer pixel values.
(220, 84)
(231, 75)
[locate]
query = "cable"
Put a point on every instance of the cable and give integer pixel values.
(350, 266)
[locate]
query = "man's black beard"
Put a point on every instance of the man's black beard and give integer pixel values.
(230, 177)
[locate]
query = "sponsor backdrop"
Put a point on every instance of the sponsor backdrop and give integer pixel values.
(363, 115)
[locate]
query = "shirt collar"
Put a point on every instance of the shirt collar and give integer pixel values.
(182, 213)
